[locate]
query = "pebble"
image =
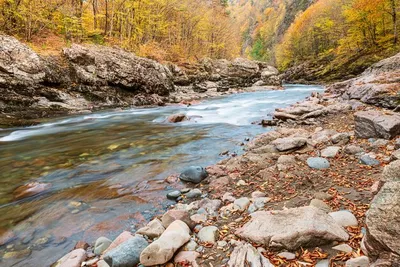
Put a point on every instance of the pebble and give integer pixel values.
(343, 248)
(353, 150)
(228, 197)
(208, 234)
(174, 195)
(362, 261)
(242, 203)
(318, 163)
(191, 245)
(287, 255)
(222, 244)
(241, 183)
(194, 193)
(258, 194)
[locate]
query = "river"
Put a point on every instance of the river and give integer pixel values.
(104, 171)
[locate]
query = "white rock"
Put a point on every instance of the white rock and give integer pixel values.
(208, 234)
(362, 261)
(243, 203)
(330, 152)
(287, 255)
(245, 254)
(344, 218)
(343, 248)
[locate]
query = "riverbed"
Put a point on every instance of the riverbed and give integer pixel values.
(105, 171)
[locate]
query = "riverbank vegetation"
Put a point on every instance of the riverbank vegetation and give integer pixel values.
(336, 37)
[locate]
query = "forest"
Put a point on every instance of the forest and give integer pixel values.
(345, 33)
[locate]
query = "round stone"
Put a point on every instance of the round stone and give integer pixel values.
(318, 163)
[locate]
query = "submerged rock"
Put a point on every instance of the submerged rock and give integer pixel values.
(194, 174)
(292, 228)
(177, 118)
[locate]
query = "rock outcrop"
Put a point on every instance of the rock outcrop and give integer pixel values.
(87, 77)
(378, 85)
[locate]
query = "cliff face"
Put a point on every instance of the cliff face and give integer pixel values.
(378, 85)
(83, 78)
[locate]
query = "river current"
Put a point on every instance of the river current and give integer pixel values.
(104, 171)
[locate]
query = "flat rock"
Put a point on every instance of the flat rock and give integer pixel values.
(164, 248)
(330, 152)
(289, 143)
(193, 174)
(377, 124)
(208, 234)
(153, 229)
(318, 163)
(127, 254)
(344, 218)
(292, 228)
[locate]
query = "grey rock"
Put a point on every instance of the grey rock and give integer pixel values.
(396, 154)
(397, 143)
(322, 196)
(368, 160)
(97, 65)
(353, 150)
(260, 202)
(174, 195)
(252, 208)
(242, 203)
(344, 218)
(330, 152)
(362, 261)
(320, 205)
(194, 174)
(391, 172)
(341, 138)
(292, 228)
(383, 221)
(377, 124)
(208, 234)
(289, 143)
(211, 206)
(194, 193)
(126, 254)
(318, 163)
(102, 243)
(323, 263)
(191, 245)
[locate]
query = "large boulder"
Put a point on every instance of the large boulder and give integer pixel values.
(105, 66)
(377, 124)
(164, 248)
(293, 228)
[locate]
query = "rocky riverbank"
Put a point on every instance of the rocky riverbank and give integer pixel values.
(86, 78)
(321, 189)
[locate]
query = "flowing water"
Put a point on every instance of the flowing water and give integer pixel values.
(104, 172)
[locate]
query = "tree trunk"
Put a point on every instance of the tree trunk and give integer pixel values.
(394, 19)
